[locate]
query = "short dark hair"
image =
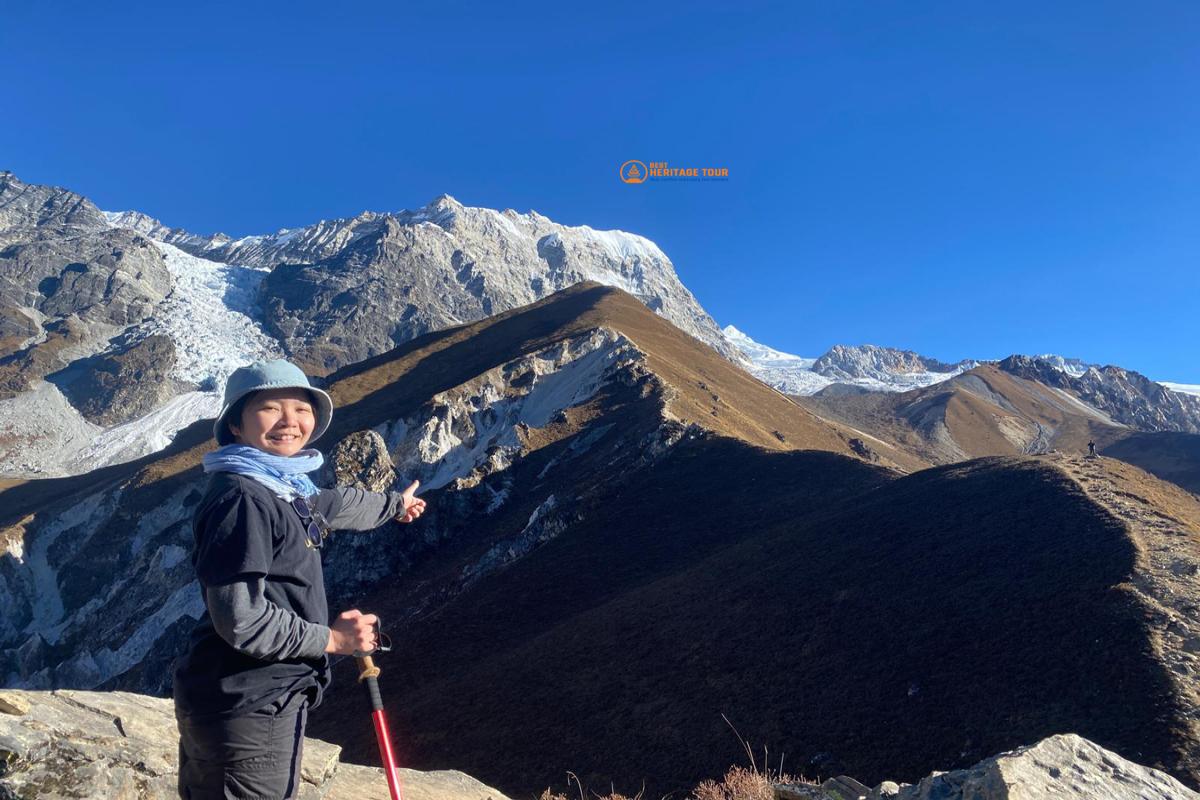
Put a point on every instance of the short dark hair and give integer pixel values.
(235, 414)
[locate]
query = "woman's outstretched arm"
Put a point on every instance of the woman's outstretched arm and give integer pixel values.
(360, 510)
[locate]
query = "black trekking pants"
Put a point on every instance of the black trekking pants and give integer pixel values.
(254, 757)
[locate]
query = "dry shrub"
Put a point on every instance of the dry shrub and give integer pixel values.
(742, 783)
(739, 783)
(572, 778)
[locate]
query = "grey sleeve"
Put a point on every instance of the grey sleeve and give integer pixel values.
(365, 511)
(254, 625)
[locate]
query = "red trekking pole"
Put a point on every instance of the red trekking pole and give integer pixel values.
(368, 673)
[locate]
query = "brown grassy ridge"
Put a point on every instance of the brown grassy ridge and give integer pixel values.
(986, 412)
(399, 381)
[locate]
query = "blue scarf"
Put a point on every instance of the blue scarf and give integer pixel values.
(287, 476)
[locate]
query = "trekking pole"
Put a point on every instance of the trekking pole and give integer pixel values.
(368, 673)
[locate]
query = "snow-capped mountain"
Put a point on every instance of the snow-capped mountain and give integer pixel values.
(1122, 396)
(117, 331)
(428, 269)
(878, 369)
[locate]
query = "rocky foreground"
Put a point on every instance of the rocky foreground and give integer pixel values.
(120, 745)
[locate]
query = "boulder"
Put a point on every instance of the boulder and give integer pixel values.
(1063, 767)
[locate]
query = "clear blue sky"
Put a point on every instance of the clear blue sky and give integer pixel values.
(964, 179)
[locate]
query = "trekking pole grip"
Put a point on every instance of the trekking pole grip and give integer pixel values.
(368, 672)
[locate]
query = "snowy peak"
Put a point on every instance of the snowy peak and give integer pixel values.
(192, 307)
(881, 363)
(880, 369)
(463, 263)
(1070, 366)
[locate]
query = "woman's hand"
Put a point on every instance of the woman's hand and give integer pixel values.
(353, 631)
(413, 506)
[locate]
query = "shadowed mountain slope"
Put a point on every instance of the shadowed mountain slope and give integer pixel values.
(858, 624)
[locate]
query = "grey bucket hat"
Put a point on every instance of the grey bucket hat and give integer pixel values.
(277, 374)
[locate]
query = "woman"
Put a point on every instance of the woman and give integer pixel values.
(258, 659)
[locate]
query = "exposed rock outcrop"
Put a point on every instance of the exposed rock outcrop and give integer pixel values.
(1065, 766)
(121, 385)
(1128, 397)
(880, 363)
(104, 745)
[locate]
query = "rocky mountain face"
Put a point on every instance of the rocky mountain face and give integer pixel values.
(90, 299)
(880, 363)
(344, 290)
(68, 282)
(1128, 397)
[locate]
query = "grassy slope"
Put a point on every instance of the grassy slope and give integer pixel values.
(977, 421)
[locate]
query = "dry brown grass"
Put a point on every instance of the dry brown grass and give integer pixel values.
(739, 783)
(756, 782)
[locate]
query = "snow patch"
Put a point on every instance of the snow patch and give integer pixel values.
(1182, 388)
(795, 374)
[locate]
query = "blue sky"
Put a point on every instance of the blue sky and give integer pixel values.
(964, 179)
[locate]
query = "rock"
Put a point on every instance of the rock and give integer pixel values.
(13, 703)
(799, 791)
(20, 369)
(862, 449)
(117, 744)
(25, 205)
(122, 385)
(1063, 766)
(354, 782)
(844, 787)
(362, 460)
(884, 791)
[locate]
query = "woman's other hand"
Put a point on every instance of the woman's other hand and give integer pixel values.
(352, 631)
(413, 506)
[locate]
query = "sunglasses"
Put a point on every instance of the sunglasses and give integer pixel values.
(316, 528)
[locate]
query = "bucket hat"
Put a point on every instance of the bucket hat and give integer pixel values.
(276, 374)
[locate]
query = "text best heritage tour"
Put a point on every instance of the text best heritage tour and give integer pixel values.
(637, 172)
(659, 169)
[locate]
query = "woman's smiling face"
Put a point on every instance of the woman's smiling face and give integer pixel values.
(277, 421)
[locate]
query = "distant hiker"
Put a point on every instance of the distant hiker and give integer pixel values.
(1091, 449)
(256, 661)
